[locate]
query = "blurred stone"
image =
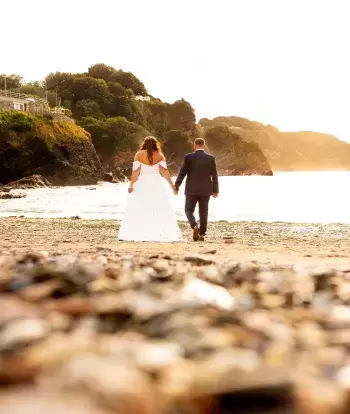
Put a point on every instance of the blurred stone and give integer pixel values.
(32, 400)
(201, 292)
(199, 259)
(74, 305)
(318, 396)
(156, 356)
(40, 291)
(13, 309)
(21, 333)
(117, 386)
(155, 334)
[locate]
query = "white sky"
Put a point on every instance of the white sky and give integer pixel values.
(283, 62)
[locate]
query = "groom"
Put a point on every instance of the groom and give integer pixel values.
(202, 182)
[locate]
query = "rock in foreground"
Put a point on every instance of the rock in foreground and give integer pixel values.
(123, 334)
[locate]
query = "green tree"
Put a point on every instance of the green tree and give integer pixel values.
(88, 108)
(32, 88)
(176, 145)
(111, 135)
(86, 87)
(117, 90)
(129, 81)
(101, 71)
(74, 88)
(182, 117)
(58, 81)
(12, 81)
(157, 117)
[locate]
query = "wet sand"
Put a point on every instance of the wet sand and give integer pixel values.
(281, 243)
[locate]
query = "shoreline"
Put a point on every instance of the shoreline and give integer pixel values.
(279, 242)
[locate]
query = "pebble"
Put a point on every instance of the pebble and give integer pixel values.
(199, 259)
(160, 334)
(22, 333)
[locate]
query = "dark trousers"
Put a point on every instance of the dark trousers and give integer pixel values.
(203, 207)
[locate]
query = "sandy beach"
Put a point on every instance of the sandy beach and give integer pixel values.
(281, 243)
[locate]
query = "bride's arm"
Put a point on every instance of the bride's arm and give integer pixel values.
(135, 175)
(165, 173)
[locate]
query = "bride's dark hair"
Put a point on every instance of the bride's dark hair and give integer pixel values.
(150, 144)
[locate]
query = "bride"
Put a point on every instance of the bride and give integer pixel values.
(149, 215)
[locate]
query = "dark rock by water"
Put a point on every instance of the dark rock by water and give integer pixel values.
(58, 150)
(9, 196)
(34, 181)
(108, 177)
(234, 155)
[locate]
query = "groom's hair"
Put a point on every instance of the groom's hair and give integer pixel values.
(199, 142)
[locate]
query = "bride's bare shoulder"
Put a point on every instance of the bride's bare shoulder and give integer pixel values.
(137, 156)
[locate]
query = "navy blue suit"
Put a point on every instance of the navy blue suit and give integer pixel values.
(202, 182)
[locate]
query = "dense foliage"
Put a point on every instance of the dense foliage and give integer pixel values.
(51, 145)
(112, 135)
(16, 127)
(176, 144)
(285, 150)
(115, 108)
(10, 81)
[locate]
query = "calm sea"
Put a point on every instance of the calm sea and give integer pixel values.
(288, 196)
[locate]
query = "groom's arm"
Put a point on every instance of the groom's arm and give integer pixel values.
(182, 174)
(215, 178)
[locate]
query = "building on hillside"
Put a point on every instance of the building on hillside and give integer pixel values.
(21, 102)
(142, 98)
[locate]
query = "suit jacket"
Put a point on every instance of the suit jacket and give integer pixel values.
(202, 175)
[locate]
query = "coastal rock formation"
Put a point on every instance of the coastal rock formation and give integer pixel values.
(251, 161)
(154, 335)
(60, 151)
(236, 156)
(233, 157)
(288, 151)
(34, 181)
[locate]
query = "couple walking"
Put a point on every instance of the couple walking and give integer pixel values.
(149, 215)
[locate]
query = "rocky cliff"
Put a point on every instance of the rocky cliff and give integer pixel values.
(59, 150)
(234, 155)
(288, 151)
(250, 160)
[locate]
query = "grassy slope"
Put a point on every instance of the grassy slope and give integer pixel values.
(16, 127)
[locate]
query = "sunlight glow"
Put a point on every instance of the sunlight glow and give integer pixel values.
(280, 62)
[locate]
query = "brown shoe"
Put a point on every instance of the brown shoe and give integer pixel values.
(201, 238)
(196, 233)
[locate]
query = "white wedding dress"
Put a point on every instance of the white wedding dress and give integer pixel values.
(149, 215)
